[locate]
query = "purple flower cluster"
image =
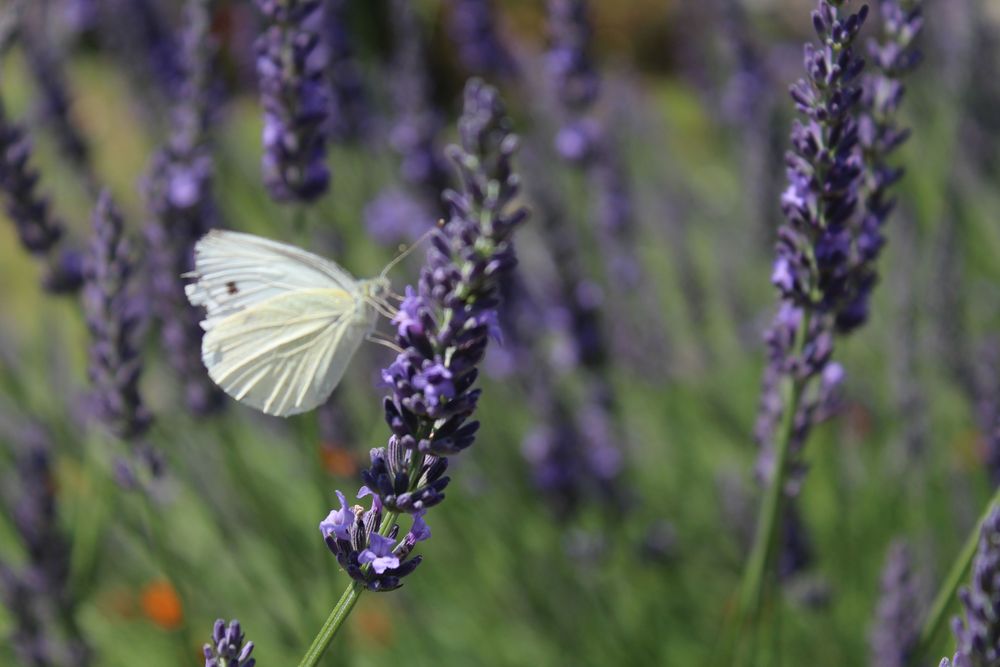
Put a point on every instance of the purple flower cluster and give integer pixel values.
(812, 269)
(181, 206)
(978, 637)
(115, 318)
(295, 94)
(37, 593)
(228, 647)
(473, 29)
(443, 327)
(378, 560)
(37, 228)
(897, 618)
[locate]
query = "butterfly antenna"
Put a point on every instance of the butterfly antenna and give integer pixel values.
(406, 252)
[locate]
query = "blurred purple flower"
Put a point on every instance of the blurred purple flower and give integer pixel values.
(414, 134)
(350, 116)
(291, 69)
(395, 216)
(897, 618)
(37, 592)
(37, 228)
(472, 27)
(181, 208)
(115, 319)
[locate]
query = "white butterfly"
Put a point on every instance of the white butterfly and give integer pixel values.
(282, 323)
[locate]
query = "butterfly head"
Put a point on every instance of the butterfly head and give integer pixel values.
(376, 289)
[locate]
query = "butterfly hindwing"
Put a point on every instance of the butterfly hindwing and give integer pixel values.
(285, 355)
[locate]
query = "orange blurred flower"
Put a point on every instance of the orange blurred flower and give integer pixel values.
(162, 605)
(337, 460)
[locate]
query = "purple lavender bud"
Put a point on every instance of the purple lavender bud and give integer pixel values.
(472, 27)
(228, 647)
(978, 635)
(291, 70)
(897, 618)
(115, 319)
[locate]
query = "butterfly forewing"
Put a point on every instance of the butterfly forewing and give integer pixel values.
(235, 271)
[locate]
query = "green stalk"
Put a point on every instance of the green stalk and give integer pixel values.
(755, 574)
(333, 622)
(935, 619)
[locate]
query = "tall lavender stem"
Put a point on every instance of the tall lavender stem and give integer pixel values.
(443, 327)
(825, 174)
(826, 251)
(180, 202)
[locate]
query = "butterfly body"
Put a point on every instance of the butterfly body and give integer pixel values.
(282, 324)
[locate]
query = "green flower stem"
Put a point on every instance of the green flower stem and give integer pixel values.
(946, 596)
(333, 622)
(756, 574)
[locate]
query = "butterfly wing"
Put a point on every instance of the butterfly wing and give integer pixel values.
(234, 271)
(285, 355)
(282, 324)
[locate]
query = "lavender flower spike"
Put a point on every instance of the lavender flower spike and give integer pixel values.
(229, 647)
(37, 228)
(114, 317)
(978, 637)
(296, 99)
(443, 327)
(812, 270)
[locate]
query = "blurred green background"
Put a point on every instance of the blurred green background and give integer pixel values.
(232, 531)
